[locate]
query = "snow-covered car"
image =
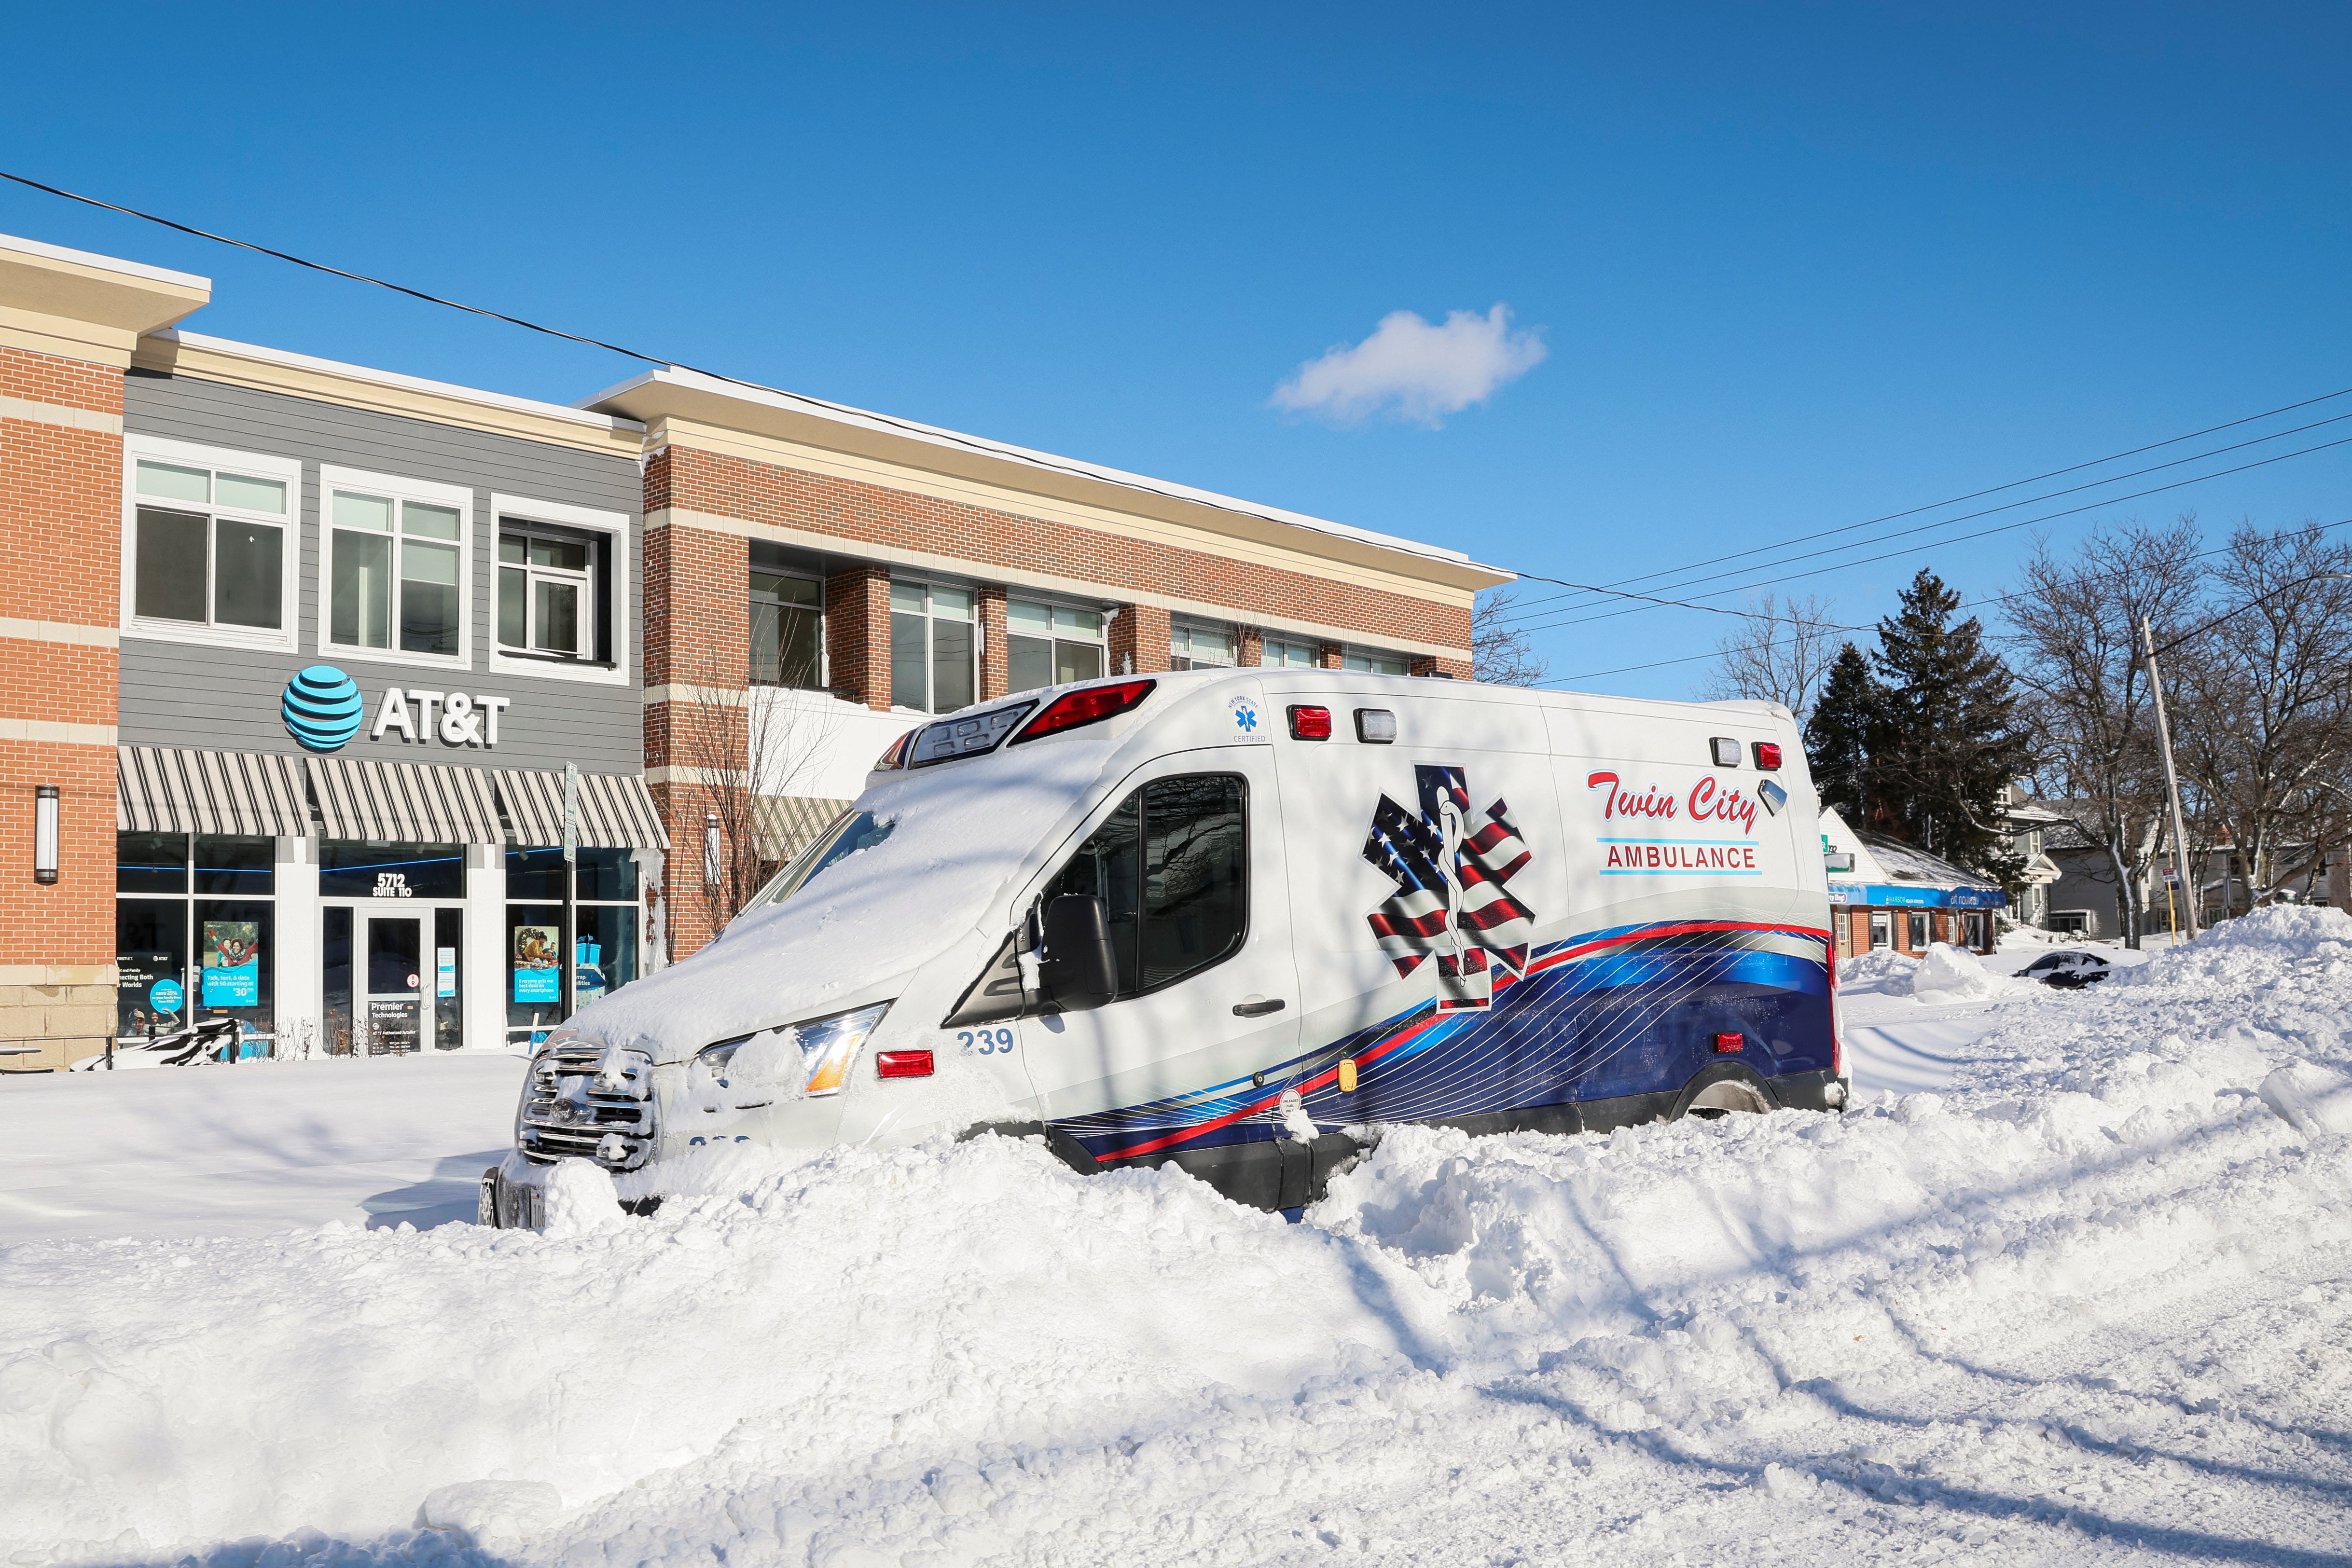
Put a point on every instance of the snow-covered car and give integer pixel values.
(2070, 969)
(1219, 918)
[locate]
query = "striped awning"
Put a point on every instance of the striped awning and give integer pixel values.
(614, 810)
(787, 822)
(405, 802)
(172, 790)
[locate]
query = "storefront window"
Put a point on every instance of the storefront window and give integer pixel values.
(179, 961)
(351, 868)
(597, 955)
(1192, 646)
(1285, 654)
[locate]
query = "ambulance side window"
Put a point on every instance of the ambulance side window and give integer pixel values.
(1171, 867)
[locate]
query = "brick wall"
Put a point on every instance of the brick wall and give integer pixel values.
(60, 549)
(857, 635)
(1139, 640)
(866, 516)
(995, 664)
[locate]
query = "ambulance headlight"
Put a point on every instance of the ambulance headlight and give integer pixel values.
(812, 1058)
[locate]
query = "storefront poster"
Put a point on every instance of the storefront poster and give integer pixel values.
(538, 969)
(231, 958)
(446, 971)
(392, 1025)
(588, 972)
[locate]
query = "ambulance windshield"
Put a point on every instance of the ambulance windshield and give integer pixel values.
(850, 832)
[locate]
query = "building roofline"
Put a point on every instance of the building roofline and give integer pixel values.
(950, 441)
(288, 356)
(104, 263)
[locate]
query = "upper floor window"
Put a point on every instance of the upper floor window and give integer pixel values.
(934, 646)
(395, 565)
(1365, 662)
(1285, 653)
(562, 585)
(1051, 644)
(208, 535)
(1192, 646)
(786, 623)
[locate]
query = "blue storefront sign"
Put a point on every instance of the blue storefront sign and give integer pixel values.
(1881, 896)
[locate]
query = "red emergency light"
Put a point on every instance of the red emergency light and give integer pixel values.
(1091, 704)
(1768, 755)
(1309, 723)
(903, 1064)
(1726, 1043)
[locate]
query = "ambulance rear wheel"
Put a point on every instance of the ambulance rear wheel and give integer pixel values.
(1718, 1095)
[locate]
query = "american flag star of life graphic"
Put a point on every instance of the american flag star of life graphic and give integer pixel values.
(1453, 901)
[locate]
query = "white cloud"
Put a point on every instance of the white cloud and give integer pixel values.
(1414, 370)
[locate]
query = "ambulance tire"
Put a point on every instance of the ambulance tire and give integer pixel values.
(485, 1205)
(1720, 1089)
(1066, 1148)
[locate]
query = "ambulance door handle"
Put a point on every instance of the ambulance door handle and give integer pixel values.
(1258, 1006)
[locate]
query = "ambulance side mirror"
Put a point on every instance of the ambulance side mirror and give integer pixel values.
(1076, 969)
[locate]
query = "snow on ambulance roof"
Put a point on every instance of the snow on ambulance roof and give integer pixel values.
(705, 398)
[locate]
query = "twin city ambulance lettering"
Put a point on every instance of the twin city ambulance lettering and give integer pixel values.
(1706, 805)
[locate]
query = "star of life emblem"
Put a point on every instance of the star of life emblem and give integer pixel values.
(1453, 901)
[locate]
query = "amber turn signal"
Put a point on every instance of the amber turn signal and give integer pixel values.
(1347, 1075)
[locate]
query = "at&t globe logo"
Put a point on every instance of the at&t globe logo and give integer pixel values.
(322, 709)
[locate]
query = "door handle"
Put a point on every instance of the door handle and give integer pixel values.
(1258, 1006)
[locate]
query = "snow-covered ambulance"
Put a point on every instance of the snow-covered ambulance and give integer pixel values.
(1234, 921)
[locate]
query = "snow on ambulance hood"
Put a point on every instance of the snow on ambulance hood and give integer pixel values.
(960, 832)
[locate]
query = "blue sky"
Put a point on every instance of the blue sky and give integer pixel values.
(1792, 267)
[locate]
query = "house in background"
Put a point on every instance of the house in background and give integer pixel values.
(1886, 894)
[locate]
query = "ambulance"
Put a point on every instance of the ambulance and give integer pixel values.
(1236, 922)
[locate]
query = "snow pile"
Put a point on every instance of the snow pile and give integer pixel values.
(2312, 1099)
(2257, 949)
(1949, 974)
(2086, 1301)
(1881, 968)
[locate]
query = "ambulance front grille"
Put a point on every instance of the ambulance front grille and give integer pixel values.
(568, 1113)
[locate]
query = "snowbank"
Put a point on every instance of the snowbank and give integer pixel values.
(2088, 1301)
(1949, 974)
(1881, 968)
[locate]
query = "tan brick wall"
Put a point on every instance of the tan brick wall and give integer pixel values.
(61, 555)
(996, 654)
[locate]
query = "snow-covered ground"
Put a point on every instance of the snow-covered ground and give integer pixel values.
(2089, 1303)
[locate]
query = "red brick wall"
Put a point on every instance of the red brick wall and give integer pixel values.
(60, 561)
(865, 516)
(995, 666)
(1249, 647)
(1139, 640)
(857, 635)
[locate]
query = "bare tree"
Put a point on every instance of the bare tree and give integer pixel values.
(741, 745)
(1780, 653)
(2087, 701)
(2264, 724)
(1501, 655)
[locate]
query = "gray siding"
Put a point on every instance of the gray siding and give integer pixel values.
(226, 699)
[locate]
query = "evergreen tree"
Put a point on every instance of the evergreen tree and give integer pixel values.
(1953, 740)
(1847, 722)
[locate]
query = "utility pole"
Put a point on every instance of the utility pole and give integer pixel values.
(2172, 780)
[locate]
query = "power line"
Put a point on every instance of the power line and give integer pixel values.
(1980, 604)
(1993, 490)
(1959, 539)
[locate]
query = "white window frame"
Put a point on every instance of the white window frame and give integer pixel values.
(614, 527)
(1288, 641)
(399, 488)
(287, 470)
(823, 641)
(979, 632)
(1101, 639)
(1352, 652)
(1186, 625)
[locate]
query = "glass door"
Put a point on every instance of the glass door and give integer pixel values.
(396, 983)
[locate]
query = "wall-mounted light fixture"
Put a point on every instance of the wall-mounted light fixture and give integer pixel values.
(711, 849)
(45, 832)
